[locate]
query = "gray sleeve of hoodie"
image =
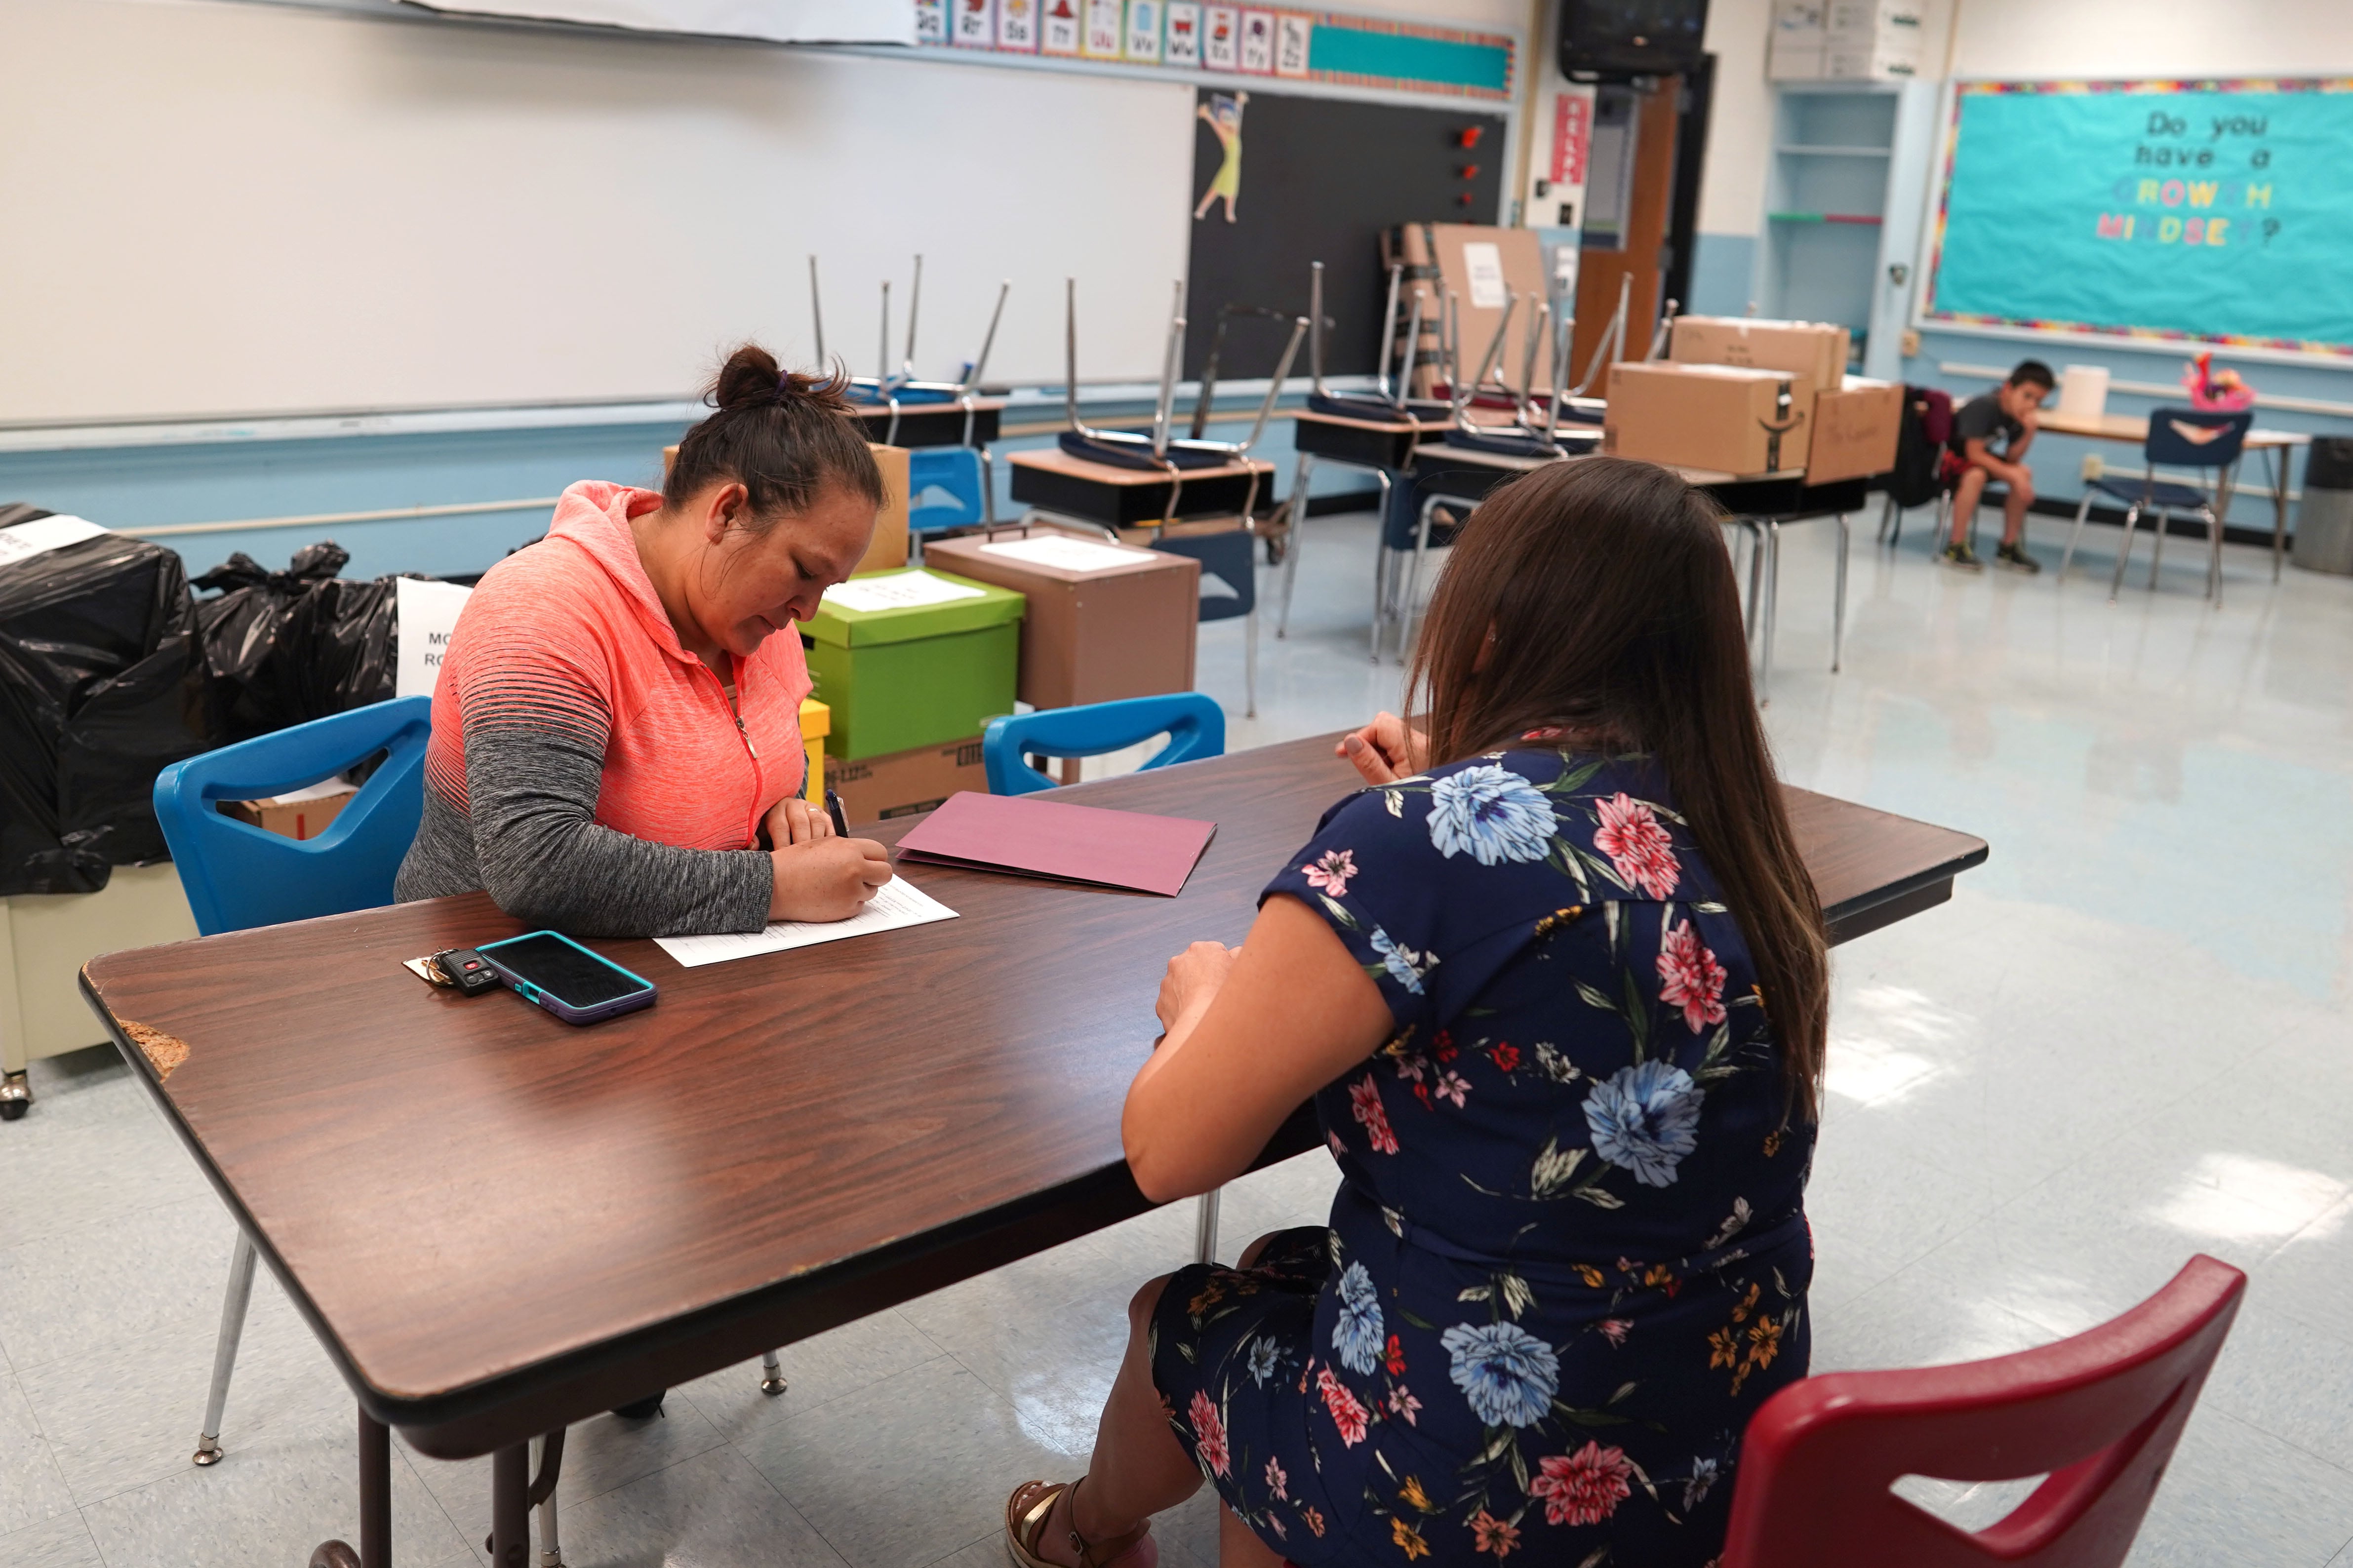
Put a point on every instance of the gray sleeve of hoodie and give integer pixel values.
(535, 736)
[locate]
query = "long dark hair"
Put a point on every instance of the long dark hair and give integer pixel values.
(1610, 597)
(784, 436)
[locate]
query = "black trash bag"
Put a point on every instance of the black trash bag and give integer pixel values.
(101, 687)
(340, 643)
(243, 630)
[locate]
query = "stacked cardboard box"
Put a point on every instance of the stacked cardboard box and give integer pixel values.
(1717, 416)
(1856, 40)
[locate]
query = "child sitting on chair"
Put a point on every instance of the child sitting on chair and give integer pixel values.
(2007, 411)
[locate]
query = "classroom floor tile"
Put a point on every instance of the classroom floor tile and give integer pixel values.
(2128, 1038)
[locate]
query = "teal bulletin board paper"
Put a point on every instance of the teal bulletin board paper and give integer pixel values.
(2204, 212)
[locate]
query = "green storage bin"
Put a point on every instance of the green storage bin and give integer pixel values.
(917, 675)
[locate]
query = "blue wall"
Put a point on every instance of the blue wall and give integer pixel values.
(130, 488)
(1721, 275)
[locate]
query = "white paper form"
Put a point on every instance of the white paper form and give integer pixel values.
(899, 591)
(895, 904)
(23, 541)
(1070, 554)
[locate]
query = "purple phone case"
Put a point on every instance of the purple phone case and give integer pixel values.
(564, 1010)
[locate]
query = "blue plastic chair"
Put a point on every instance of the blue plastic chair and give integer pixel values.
(1229, 589)
(957, 471)
(2195, 438)
(237, 876)
(1194, 725)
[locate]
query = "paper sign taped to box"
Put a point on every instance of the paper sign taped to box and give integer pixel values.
(1060, 549)
(899, 591)
(23, 541)
(1484, 262)
(426, 613)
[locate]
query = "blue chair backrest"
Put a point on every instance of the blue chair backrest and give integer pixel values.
(953, 470)
(239, 876)
(1194, 725)
(2196, 438)
(1228, 558)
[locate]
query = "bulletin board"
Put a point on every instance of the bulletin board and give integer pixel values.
(2200, 212)
(1318, 179)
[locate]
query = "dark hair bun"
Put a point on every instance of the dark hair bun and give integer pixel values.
(751, 379)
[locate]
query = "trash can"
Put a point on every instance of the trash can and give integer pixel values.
(2324, 518)
(912, 659)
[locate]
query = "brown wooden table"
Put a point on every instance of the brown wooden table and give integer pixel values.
(498, 1223)
(2277, 447)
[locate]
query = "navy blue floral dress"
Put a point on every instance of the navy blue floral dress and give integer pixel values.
(1569, 1258)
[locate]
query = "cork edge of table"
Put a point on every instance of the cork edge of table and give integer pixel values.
(492, 1398)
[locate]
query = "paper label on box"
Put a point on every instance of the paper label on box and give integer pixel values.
(1184, 47)
(899, 591)
(1222, 38)
(1293, 31)
(1483, 261)
(426, 613)
(1069, 554)
(1061, 29)
(1258, 42)
(22, 540)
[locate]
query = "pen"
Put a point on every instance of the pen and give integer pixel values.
(833, 809)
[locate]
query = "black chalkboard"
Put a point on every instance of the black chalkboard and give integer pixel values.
(1320, 178)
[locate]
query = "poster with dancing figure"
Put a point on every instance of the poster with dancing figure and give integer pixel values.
(1223, 114)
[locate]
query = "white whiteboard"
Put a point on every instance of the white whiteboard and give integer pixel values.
(218, 208)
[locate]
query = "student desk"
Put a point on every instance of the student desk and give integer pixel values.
(965, 422)
(2125, 429)
(498, 1223)
(1133, 498)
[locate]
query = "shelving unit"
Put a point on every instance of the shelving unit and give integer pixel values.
(1842, 208)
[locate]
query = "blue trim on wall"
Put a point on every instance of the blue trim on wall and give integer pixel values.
(1722, 272)
(130, 488)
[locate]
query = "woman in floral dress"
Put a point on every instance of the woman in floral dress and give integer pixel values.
(1559, 999)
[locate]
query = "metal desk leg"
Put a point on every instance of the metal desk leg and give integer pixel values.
(1380, 587)
(1204, 1228)
(1299, 477)
(1755, 573)
(2276, 463)
(375, 1506)
(241, 1259)
(1413, 578)
(1772, 605)
(1837, 611)
(772, 1375)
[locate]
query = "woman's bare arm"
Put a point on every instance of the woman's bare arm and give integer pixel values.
(1251, 1034)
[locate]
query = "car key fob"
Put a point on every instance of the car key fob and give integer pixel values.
(467, 971)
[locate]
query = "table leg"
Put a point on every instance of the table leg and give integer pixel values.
(1413, 579)
(1380, 586)
(1756, 573)
(510, 1507)
(1299, 477)
(376, 1505)
(1772, 608)
(1838, 608)
(2275, 463)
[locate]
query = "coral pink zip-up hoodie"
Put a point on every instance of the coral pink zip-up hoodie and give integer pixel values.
(586, 769)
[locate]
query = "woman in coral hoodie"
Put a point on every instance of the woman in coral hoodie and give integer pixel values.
(616, 746)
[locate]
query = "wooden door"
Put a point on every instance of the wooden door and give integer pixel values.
(1651, 197)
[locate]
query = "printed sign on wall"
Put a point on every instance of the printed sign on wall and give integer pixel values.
(1293, 31)
(1059, 34)
(931, 21)
(1144, 31)
(1258, 43)
(975, 24)
(1221, 39)
(1184, 46)
(1017, 25)
(1106, 21)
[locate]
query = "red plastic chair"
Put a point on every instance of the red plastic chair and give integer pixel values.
(2099, 1412)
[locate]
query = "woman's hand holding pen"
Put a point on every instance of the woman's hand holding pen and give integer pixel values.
(817, 874)
(1386, 750)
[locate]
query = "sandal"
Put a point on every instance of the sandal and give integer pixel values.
(1032, 1504)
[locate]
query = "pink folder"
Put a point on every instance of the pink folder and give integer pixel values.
(1050, 839)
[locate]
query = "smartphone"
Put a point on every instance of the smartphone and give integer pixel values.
(576, 984)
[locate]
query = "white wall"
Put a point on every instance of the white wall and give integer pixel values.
(2031, 38)
(238, 208)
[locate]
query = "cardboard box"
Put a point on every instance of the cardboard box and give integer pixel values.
(1897, 23)
(914, 675)
(1854, 431)
(1725, 418)
(1814, 349)
(1884, 62)
(890, 546)
(298, 813)
(1106, 623)
(899, 783)
(1794, 62)
(1482, 264)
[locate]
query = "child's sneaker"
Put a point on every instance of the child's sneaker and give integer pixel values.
(2013, 557)
(1960, 556)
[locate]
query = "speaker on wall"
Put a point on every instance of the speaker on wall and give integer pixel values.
(1616, 40)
